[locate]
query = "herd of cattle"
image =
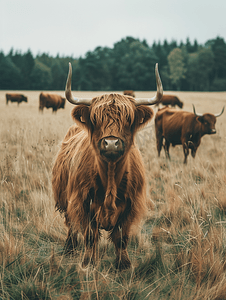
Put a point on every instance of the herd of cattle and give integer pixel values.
(98, 177)
(171, 126)
(45, 100)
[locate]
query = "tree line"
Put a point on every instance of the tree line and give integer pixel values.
(128, 65)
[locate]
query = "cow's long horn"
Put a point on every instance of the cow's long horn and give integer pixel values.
(68, 93)
(218, 115)
(158, 96)
(198, 115)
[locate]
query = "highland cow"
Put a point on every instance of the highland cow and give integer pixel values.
(98, 176)
(171, 100)
(15, 98)
(51, 101)
(182, 128)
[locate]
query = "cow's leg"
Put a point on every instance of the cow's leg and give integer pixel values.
(119, 237)
(193, 153)
(159, 144)
(159, 139)
(166, 148)
(71, 241)
(193, 148)
(186, 152)
(91, 236)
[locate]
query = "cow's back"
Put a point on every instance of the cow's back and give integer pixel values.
(174, 123)
(168, 100)
(14, 97)
(50, 101)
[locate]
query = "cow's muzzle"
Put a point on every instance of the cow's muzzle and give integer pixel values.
(111, 148)
(212, 131)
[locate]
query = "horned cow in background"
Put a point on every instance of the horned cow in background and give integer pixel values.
(182, 128)
(98, 178)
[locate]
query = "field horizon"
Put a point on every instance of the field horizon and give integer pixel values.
(179, 251)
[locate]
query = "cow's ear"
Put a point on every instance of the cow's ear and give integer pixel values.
(143, 114)
(200, 119)
(80, 114)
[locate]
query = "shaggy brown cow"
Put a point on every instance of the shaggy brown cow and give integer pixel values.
(182, 128)
(98, 178)
(129, 93)
(51, 101)
(171, 100)
(15, 98)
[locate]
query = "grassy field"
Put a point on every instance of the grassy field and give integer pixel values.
(180, 250)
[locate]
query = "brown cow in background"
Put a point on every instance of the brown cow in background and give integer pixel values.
(51, 101)
(171, 100)
(15, 98)
(98, 178)
(129, 93)
(182, 128)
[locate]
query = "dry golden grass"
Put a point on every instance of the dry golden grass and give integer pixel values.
(180, 252)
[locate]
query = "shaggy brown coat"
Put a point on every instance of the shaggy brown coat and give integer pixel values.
(51, 101)
(182, 128)
(15, 98)
(96, 193)
(171, 100)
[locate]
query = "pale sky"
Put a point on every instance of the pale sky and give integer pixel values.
(73, 27)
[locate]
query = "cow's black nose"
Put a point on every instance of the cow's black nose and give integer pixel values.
(111, 148)
(111, 145)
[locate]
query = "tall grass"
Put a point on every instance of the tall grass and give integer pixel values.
(180, 250)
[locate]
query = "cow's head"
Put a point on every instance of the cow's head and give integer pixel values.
(24, 98)
(180, 104)
(112, 119)
(62, 102)
(208, 121)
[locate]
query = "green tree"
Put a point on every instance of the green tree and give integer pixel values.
(45, 59)
(58, 76)
(199, 69)
(10, 75)
(218, 47)
(93, 71)
(25, 62)
(177, 67)
(192, 72)
(41, 78)
(205, 67)
(165, 77)
(133, 65)
(161, 52)
(28, 65)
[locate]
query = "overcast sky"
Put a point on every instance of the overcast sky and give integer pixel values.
(73, 27)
